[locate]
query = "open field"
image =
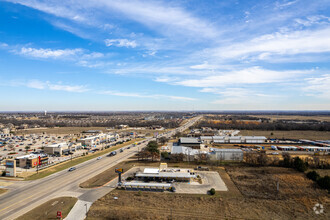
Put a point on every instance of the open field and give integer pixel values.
(311, 135)
(251, 195)
(68, 164)
(49, 209)
(295, 117)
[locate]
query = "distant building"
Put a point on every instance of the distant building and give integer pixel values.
(226, 154)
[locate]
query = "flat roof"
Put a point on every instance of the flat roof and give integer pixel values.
(148, 184)
(151, 170)
(167, 175)
(187, 140)
(227, 150)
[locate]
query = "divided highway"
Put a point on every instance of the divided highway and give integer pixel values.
(26, 195)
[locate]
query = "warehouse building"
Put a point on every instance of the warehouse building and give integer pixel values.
(254, 139)
(189, 142)
(226, 154)
(57, 149)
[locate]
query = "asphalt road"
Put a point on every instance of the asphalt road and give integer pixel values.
(26, 195)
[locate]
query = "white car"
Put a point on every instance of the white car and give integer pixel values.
(99, 158)
(275, 153)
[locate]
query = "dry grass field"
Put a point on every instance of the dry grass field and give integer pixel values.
(49, 209)
(252, 195)
(310, 135)
(295, 117)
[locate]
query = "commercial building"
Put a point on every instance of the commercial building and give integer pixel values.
(189, 142)
(97, 139)
(57, 149)
(226, 154)
(155, 174)
(232, 139)
(31, 160)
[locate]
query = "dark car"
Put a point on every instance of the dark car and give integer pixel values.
(121, 150)
(72, 169)
(113, 153)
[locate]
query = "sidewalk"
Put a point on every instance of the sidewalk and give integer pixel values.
(79, 210)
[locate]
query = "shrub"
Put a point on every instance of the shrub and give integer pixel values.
(324, 182)
(212, 191)
(313, 175)
(299, 164)
(3, 173)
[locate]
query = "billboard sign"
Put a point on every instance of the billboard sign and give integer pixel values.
(119, 170)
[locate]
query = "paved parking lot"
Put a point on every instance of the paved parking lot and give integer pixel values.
(210, 180)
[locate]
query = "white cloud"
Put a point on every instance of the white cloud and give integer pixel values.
(120, 43)
(203, 66)
(252, 75)
(318, 86)
(157, 15)
(49, 53)
(292, 43)
(154, 96)
(37, 84)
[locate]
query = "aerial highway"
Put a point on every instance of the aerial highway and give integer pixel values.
(26, 195)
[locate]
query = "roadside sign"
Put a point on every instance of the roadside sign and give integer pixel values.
(59, 214)
(39, 160)
(119, 170)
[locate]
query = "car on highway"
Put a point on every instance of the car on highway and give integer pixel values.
(72, 169)
(128, 147)
(113, 153)
(121, 150)
(99, 158)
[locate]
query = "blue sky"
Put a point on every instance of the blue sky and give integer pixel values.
(164, 55)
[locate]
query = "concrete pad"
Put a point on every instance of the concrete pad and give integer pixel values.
(79, 210)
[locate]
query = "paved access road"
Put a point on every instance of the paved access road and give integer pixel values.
(26, 195)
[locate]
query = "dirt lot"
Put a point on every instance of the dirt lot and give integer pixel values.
(49, 209)
(252, 195)
(310, 135)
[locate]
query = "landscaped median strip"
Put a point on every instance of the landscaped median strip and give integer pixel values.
(76, 161)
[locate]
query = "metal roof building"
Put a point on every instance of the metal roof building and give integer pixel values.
(226, 154)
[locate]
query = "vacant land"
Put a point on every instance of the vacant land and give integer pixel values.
(311, 135)
(252, 195)
(295, 117)
(68, 164)
(49, 209)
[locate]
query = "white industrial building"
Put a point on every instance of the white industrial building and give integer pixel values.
(226, 154)
(232, 139)
(235, 140)
(254, 139)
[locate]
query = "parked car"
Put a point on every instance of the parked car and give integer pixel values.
(72, 169)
